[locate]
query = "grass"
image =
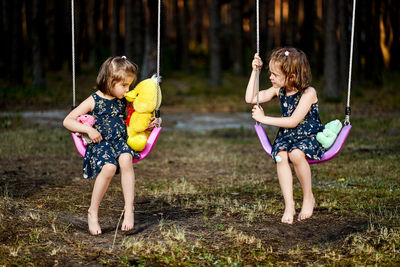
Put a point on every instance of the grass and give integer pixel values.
(219, 207)
(205, 199)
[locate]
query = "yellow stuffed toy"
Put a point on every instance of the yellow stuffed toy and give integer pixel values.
(144, 100)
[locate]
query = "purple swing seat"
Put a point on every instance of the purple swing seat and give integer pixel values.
(329, 154)
(151, 141)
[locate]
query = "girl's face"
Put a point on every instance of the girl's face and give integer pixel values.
(277, 77)
(122, 87)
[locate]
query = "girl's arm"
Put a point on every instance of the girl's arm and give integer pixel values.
(73, 125)
(307, 99)
(251, 91)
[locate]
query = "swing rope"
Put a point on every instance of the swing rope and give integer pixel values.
(258, 51)
(73, 53)
(347, 112)
(157, 111)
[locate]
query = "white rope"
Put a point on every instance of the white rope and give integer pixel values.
(73, 53)
(158, 60)
(158, 37)
(258, 50)
(258, 25)
(347, 118)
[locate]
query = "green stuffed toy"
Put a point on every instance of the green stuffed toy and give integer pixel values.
(328, 136)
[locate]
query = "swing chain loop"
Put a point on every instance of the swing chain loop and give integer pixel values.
(347, 120)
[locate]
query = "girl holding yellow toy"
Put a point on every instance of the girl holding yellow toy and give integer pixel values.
(108, 152)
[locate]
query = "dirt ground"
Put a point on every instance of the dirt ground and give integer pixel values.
(33, 183)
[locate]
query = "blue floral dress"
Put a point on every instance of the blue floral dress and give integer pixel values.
(109, 115)
(303, 136)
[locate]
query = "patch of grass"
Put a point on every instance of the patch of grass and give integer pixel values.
(10, 122)
(36, 141)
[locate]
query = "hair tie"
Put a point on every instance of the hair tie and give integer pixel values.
(287, 53)
(123, 57)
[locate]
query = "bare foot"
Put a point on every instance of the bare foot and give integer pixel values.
(307, 209)
(93, 223)
(288, 215)
(129, 220)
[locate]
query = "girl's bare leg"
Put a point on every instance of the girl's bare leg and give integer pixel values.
(100, 187)
(128, 190)
(303, 172)
(286, 182)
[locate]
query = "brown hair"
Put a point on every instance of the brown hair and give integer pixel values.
(113, 70)
(294, 65)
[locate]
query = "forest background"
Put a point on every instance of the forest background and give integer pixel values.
(205, 38)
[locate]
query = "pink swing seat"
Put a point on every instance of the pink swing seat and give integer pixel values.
(151, 141)
(329, 154)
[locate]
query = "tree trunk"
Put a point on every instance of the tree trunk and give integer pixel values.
(293, 23)
(38, 75)
(198, 21)
(14, 52)
(186, 37)
(79, 33)
(56, 48)
(277, 23)
(284, 23)
(178, 36)
(330, 65)
(92, 18)
(134, 31)
(394, 13)
(214, 43)
(129, 29)
(373, 55)
(270, 25)
(3, 46)
(115, 32)
(150, 53)
(308, 31)
(105, 28)
(344, 43)
(181, 21)
(237, 36)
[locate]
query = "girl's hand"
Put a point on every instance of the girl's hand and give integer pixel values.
(258, 113)
(257, 62)
(94, 135)
(153, 123)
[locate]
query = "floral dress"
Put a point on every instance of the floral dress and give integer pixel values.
(109, 115)
(303, 136)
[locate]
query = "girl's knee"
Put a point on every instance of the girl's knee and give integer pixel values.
(296, 155)
(109, 169)
(283, 156)
(125, 160)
